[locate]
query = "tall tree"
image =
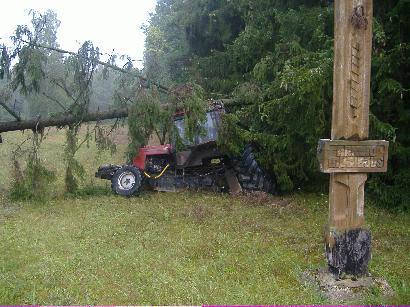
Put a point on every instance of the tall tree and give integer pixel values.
(275, 57)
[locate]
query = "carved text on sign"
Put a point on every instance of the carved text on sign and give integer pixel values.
(341, 156)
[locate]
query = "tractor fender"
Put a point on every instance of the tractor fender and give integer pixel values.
(107, 171)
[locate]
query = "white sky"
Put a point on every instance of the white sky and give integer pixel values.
(108, 24)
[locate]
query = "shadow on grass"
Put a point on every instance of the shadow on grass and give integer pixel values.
(89, 191)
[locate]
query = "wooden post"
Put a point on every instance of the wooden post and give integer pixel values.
(348, 157)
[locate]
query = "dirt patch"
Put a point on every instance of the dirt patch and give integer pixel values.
(345, 289)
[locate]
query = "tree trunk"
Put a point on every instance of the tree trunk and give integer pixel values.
(61, 120)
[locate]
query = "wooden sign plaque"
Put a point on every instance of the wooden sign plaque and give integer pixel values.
(340, 156)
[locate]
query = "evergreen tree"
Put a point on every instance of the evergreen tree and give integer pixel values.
(275, 58)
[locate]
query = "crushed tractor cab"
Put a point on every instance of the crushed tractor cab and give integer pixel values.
(200, 165)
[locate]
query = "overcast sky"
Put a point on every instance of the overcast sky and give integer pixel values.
(108, 24)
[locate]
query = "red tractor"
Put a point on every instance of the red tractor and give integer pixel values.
(200, 165)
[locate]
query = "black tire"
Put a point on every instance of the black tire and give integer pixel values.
(251, 176)
(126, 181)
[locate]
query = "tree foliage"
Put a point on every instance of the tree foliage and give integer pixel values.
(276, 58)
(51, 83)
(32, 182)
(152, 114)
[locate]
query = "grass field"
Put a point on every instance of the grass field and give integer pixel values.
(174, 248)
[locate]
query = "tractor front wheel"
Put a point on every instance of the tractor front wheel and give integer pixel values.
(126, 181)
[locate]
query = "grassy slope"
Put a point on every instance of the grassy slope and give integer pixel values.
(187, 248)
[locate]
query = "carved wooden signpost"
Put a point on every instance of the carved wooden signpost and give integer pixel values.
(339, 156)
(349, 156)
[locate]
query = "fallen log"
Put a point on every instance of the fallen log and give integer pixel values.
(61, 120)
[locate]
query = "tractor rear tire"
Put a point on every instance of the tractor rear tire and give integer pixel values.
(251, 176)
(126, 181)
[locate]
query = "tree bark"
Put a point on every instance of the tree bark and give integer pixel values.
(61, 120)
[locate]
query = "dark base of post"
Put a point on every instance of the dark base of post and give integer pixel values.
(348, 252)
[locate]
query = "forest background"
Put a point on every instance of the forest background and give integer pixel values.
(272, 59)
(275, 58)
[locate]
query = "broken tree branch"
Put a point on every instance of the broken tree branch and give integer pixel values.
(12, 113)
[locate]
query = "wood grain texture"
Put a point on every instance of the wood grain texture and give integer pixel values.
(351, 97)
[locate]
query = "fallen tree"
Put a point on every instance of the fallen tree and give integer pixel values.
(67, 119)
(147, 82)
(61, 120)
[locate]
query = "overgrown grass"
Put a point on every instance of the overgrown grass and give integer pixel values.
(184, 248)
(52, 153)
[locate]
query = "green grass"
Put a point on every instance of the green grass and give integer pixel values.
(177, 248)
(52, 153)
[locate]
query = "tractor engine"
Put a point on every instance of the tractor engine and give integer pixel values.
(156, 164)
